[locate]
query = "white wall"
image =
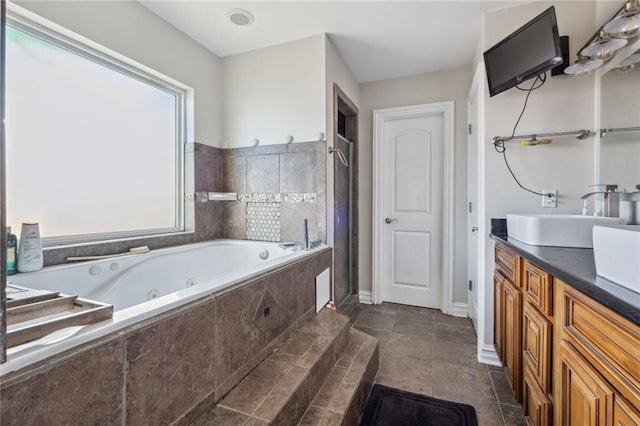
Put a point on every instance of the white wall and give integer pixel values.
(564, 103)
(414, 90)
(275, 92)
(131, 30)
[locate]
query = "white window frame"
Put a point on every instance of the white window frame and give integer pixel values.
(61, 37)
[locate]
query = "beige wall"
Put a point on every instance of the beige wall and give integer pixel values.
(131, 30)
(420, 89)
(564, 103)
(275, 92)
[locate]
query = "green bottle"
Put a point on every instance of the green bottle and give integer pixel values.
(12, 244)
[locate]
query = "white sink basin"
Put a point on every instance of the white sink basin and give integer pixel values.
(616, 250)
(558, 230)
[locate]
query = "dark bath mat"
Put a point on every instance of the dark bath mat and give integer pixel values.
(393, 407)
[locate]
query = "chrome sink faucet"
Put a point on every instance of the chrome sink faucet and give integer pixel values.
(611, 200)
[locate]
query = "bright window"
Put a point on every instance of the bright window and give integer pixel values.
(94, 144)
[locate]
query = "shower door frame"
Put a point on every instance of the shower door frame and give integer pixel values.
(341, 102)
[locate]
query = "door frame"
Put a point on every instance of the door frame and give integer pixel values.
(380, 117)
(474, 145)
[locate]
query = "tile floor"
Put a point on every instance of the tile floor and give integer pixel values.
(427, 352)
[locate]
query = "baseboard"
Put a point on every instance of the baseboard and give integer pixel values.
(488, 355)
(365, 297)
(460, 310)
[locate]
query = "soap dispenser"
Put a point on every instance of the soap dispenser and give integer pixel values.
(12, 245)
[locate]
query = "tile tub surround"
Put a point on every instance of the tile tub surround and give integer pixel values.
(293, 175)
(156, 372)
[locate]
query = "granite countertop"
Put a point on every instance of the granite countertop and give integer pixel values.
(576, 267)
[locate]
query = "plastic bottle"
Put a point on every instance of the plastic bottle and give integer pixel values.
(30, 249)
(12, 246)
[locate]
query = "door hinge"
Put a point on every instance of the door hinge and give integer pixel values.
(470, 285)
(470, 207)
(470, 132)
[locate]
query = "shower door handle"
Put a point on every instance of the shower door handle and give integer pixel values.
(389, 220)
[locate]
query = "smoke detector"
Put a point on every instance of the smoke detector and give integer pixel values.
(240, 17)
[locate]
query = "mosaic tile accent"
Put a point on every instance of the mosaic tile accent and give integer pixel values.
(300, 198)
(260, 198)
(309, 197)
(263, 221)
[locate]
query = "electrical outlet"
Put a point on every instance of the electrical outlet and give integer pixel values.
(550, 198)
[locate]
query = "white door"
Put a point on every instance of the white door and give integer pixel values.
(412, 206)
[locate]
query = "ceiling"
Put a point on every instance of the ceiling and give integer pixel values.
(377, 39)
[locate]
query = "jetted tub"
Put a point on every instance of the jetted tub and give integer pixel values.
(141, 286)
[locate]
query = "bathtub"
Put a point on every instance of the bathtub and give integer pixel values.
(141, 286)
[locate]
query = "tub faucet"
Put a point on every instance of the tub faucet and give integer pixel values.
(306, 234)
(611, 200)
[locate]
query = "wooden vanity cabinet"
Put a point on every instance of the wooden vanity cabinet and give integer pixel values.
(603, 348)
(508, 316)
(569, 360)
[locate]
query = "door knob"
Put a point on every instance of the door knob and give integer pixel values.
(474, 229)
(389, 220)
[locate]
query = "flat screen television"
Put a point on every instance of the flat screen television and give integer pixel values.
(529, 51)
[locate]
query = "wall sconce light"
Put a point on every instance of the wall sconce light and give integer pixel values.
(583, 67)
(604, 47)
(628, 64)
(627, 24)
(611, 36)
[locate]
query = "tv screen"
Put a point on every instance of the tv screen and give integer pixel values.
(529, 51)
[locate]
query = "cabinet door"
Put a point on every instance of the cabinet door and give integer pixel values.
(536, 405)
(623, 414)
(587, 400)
(513, 337)
(538, 288)
(536, 345)
(498, 314)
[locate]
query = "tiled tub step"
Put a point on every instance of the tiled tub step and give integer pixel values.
(344, 394)
(323, 373)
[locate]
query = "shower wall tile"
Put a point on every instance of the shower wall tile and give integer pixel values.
(209, 220)
(239, 152)
(298, 172)
(87, 387)
(302, 147)
(300, 198)
(263, 173)
(235, 174)
(293, 172)
(171, 366)
(208, 168)
(260, 198)
(235, 220)
(292, 216)
(270, 149)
